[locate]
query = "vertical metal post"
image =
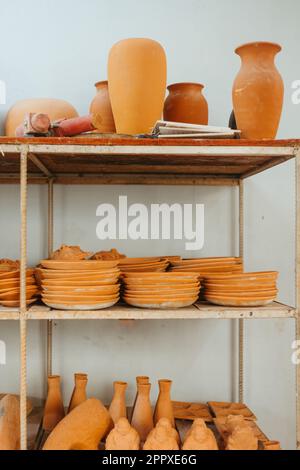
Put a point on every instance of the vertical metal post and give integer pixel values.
(23, 305)
(50, 251)
(298, 295)
(241, 322)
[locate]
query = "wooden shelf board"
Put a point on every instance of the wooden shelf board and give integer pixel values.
(142, 161)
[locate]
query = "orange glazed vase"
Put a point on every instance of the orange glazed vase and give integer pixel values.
(186, 104)
(142, 418)
(79, 392)
(258, 91)
(54, 409)
(101, 111)
(117, 409)
(137, 75)
(56, 109)
(164, 407)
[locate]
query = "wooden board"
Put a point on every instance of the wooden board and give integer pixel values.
(191, 411)
(224, 409)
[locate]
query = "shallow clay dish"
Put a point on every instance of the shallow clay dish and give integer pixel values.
(81, 275)
(83, 290)
(205, 270)
(247, 287)
(16, 303)
(83, 298)
(236, 302)
(169, 276)
(89, 265)
(126, 261)
(76, 306)
(206, 261)
(61, 283)
(15, 274)
(162, 305)
(258, 277)
(15, 283)
(15, 295)
(249, 295)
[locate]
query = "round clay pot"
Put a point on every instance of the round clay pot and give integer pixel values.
(101, 110)
(56, 109)
(258, 91)
(164, 407)
(54, 409)
(79, 392)
(117, 409)
(137, 74)
(142, 418)
(186, 104)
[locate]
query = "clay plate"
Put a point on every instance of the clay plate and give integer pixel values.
(16, 303)
(15, 274)
(127, 261)
(85, 265)
(191, 411)
(159, 277)
(252, 277)
(242, 295)
(82, 290)
(235, 302)
(162, 305)
(84, 284)
(249, 287)
(82, 298)
(74, 306)
(222, 409)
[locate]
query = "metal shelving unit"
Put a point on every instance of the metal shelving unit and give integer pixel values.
(140, 161)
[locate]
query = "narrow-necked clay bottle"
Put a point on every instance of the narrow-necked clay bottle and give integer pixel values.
(79, 392)
(101, 111)
(142, 418)
(117, 407)
(54, 409)
(164, 407)
(141, 379)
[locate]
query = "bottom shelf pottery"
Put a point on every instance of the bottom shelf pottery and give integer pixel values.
(162, 305)
(85, 307)
(236, 302)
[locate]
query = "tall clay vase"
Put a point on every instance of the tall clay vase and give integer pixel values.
(186, 104)
(117, 407)
(54, 409)
(142, 418)
(140, 380)
(137, 74)
(101, 111)
(164, 407)
(258, 91)
(79, 392)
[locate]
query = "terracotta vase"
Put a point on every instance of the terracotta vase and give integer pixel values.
(186, 104)
(123, 437)
(54, 410)
(101, 111)
(117, 409)
(142, 418)
(258, 91)
(79, 392)
(137, 74)
(82, 429)
(142, 379)
(55, 109)
(9, 423)
(164, 407)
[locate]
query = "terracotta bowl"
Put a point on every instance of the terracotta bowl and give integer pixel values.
(79, 275)
(207, 262)
(135, 261)
(5, 285)
(16, 303)
(162, 292)
(84, 284)
(89, 265)
(211, 270)
(241, 287)
(15, 295)
(15, 274)
(168, 276)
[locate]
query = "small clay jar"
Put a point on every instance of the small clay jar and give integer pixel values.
(54, 409)
(117, 407)
(164, 407)
(123, 437)
(142, 418)
(101, 111)
(79, 392)
(186, 104)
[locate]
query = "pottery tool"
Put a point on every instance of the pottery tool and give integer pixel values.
(39, 125)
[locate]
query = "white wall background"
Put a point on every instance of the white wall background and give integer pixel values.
(199, 37)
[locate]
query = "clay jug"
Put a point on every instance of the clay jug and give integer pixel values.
(101, 111)
(54, 409)
(79, 392)
(186, 103)
(117, 409)
(123, 437)
(82, 429)
(9, 423)
(137, 74)
(164, 407)
(56, 109)
(258, 91)
(142, 418)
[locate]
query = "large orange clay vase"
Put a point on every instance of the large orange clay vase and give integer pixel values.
(54, 409)
(79, 392)
(186, 104)
(164, 407)
(137, 74)
(101, 111)
(117, 409)
(258, 91)
(142, 418)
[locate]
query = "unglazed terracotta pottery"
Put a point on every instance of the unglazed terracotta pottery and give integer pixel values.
(140, 380)
(9, 265)
(162, 437)
(123, 437)
(271, 445)
(78, 306)
(79, 392)
(200, 437)
(117, 407)
(82, 429)
(241, 435)
(101, 111)
(9, 423)
(70, 253)
(54, 408)
(84, 265)
(160, 304)
(186, 104)
(164, 407)
(137, 96)
(258, 91)
(55, 109)
(108, 255)
(142, 418)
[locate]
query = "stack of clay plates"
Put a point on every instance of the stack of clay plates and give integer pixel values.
(10, 288)
(208, 265)
(80, 285)
(134, 265)
(161, 290)
(241, 290)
